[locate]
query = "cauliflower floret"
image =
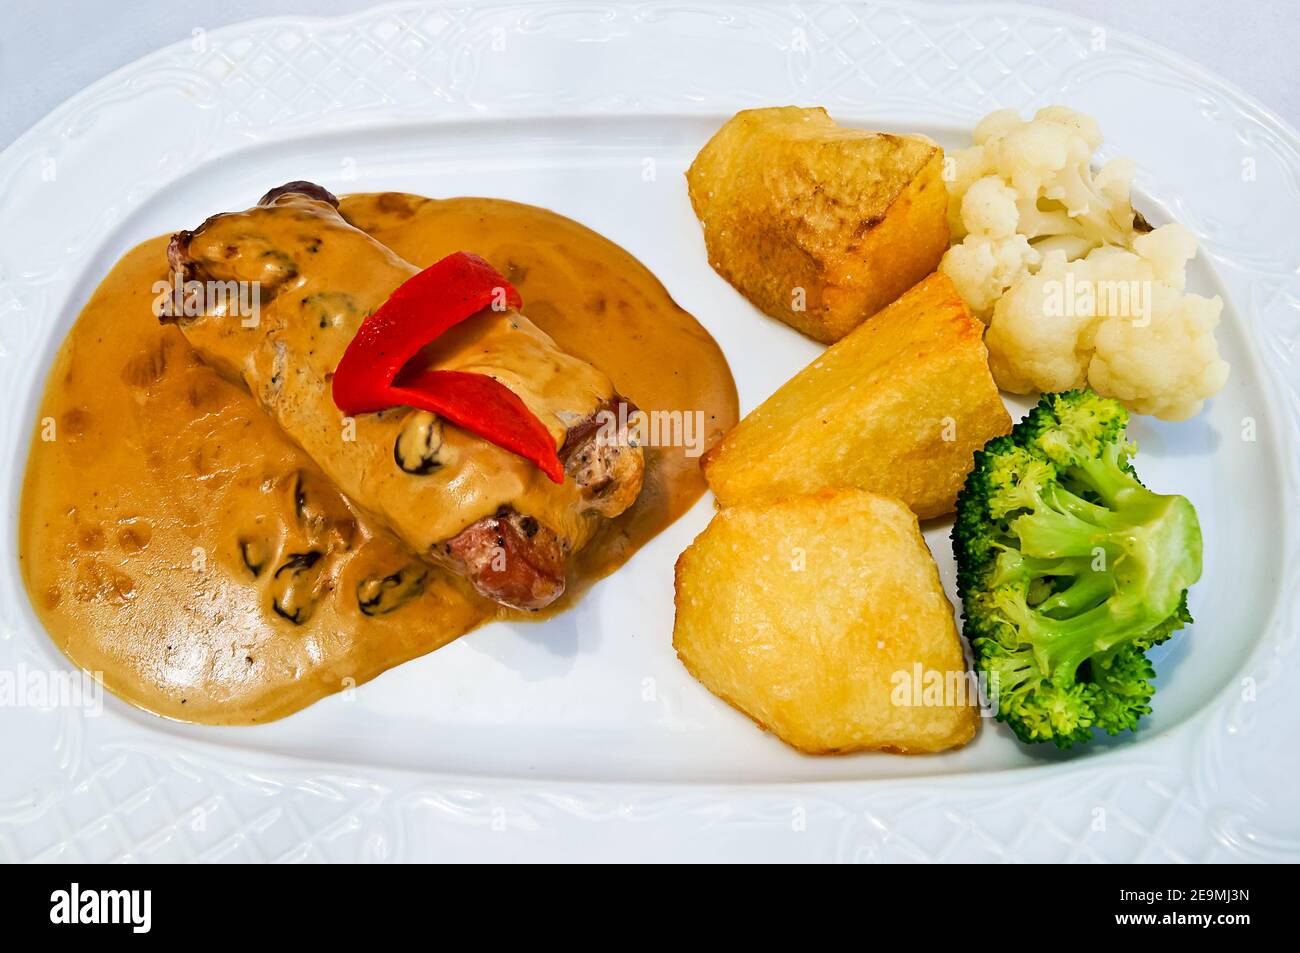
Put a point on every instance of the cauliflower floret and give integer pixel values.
(1029, 351)
(989, 208)
(1168, 368)
(1116, 321)
(1167, 362)
(1083, 125)
(964, 168)
(993, 255)
(1046, 162)
(1169, 248)
(1032, 156)
(1048, 254)
(995, 124)
(1115, 181)
(1028, 184)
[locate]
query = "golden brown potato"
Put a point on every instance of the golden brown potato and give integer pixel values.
(822, 618)
(818, 225)
(898, 407)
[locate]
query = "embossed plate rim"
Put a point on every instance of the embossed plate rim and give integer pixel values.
(885, 818)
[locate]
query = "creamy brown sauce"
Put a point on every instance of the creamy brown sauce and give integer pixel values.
(154, 486)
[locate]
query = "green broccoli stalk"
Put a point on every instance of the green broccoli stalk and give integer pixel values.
(1069, 569)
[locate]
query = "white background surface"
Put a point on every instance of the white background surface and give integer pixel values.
(49, 49)
(267, 101)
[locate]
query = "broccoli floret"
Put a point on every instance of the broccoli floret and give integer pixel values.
(1069, 569)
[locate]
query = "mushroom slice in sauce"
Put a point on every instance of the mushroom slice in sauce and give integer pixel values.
(255, 553)
(419, 449)
(295, 588)
(329, 309)
(380, 595)
(320, 511)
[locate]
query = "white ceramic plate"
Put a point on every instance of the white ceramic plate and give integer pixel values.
(584, 737)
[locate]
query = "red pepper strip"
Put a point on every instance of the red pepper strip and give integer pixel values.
(418, 312)
(483, 406)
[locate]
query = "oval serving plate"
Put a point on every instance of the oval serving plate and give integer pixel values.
(543, 731)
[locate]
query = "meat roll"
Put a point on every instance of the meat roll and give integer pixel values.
(453, 497)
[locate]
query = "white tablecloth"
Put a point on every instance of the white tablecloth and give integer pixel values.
(50, 49)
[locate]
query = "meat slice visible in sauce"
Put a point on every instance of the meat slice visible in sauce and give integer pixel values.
(462, 503)
(511, 555)
(521, 562)
(606, 470)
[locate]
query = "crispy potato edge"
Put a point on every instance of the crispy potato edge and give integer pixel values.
(968, 720)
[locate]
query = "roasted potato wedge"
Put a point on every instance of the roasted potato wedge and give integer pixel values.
(898, 407)
(820, 617)
(818, 225)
